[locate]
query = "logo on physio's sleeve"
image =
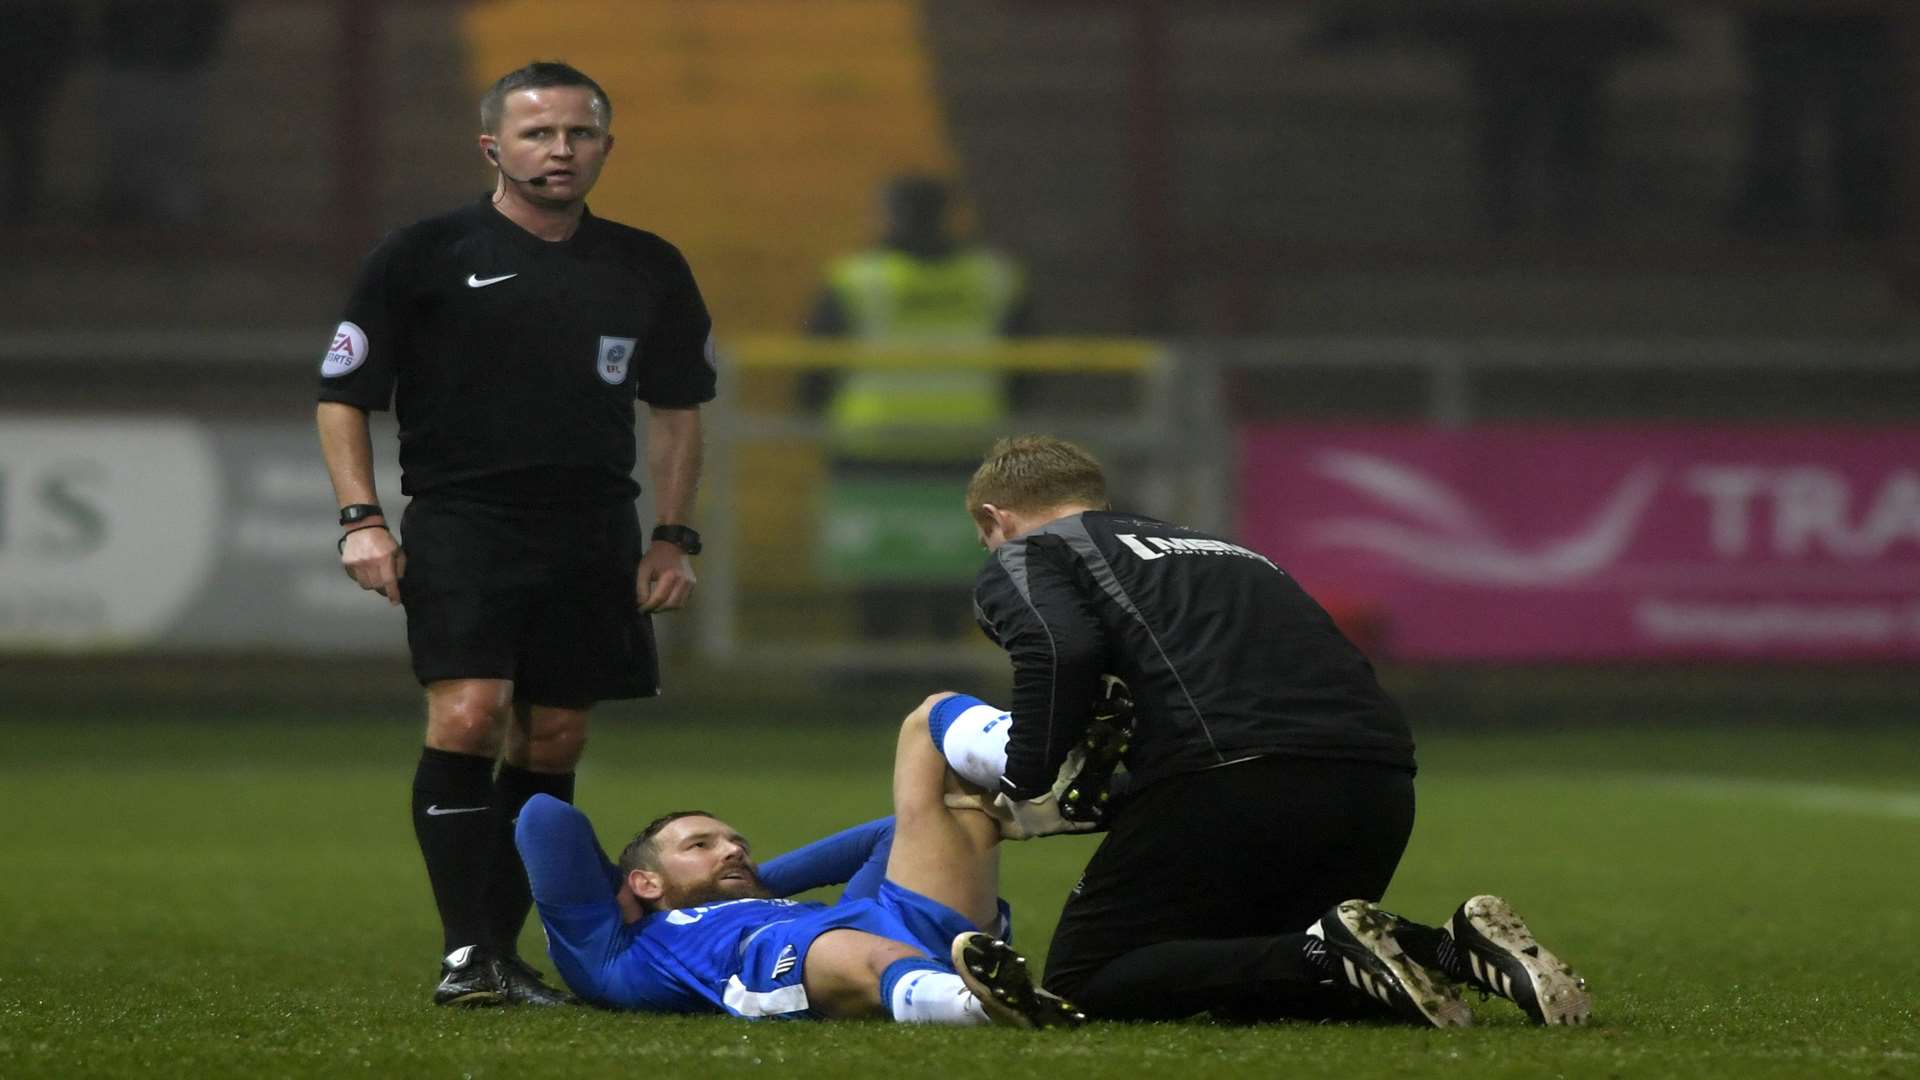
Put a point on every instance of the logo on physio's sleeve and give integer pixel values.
(348, 351)
(615, 354)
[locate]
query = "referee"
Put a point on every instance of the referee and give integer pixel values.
(1269, 793)
(512, 338)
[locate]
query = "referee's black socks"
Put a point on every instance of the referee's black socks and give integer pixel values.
(508, 896)
(457, 826)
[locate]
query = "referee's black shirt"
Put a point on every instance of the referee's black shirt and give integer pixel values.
(513, 363)
(1228, 658)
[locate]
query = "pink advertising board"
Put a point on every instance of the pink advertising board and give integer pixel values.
(1603, 543)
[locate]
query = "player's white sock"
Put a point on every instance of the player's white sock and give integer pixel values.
(935, 997)
(973, 736)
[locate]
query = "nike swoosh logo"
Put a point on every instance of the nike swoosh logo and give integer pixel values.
(435, 811)
(475, 281)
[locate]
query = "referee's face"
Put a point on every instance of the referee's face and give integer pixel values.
(556, 133)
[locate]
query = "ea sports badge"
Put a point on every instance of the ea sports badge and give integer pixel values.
(348, 351)
(615, 354)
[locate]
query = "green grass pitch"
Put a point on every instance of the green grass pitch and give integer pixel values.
(242, 897)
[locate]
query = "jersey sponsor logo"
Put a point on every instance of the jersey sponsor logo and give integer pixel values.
(688, 916)
(475, 281)
(348, 351)
(1159, 547)
(616, 353)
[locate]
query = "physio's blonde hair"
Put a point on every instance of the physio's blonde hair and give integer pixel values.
(1032, 473)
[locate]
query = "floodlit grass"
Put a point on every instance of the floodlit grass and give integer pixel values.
(241, 896)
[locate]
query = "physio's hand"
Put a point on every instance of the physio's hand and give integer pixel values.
(984, 803)
(375, 561)
(665, 579)
(1036, 817)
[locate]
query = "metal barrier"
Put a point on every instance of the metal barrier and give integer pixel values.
(233, 407)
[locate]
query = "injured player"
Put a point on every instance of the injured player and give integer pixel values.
(688, 923)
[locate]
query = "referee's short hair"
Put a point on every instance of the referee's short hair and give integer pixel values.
(538, 75)
(1029, 473)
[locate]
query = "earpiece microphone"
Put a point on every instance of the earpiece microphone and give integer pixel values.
(534, 181)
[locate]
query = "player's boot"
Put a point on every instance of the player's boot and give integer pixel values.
(1084, 786)
(522, 985)
(998, 977)
(1361, 953)
(468, 977)
(1498, 955)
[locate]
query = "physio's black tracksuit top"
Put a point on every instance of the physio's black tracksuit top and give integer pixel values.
(1227, 657)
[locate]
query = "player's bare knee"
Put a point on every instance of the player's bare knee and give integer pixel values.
(916, 721)
(885, 952)
(936, 698)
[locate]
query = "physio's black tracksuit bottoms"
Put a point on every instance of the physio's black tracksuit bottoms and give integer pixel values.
(1199, 897)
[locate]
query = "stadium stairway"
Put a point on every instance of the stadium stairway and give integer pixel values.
(752, 134)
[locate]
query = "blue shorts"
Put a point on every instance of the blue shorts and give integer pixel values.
(773, 957)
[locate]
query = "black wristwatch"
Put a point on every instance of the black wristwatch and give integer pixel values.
(358, 512)
(679, 536)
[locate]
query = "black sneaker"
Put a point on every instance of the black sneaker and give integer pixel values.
(468, 978)
(1086, 779)
(1362, 954)
(998, 978)
(522, 985)
(1499, 956)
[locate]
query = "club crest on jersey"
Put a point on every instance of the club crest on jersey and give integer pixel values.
(348, 351)
(615, 354)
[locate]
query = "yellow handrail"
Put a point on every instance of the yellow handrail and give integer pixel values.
(1059, 355)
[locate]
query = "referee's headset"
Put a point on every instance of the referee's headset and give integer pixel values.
(535, 181)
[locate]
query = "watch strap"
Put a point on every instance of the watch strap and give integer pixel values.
(680, 536)
(359, 512)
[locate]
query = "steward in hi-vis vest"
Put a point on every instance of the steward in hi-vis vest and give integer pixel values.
(890, 296)
(901, 439)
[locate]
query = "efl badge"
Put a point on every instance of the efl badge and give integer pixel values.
(615, 354)
(348, 351)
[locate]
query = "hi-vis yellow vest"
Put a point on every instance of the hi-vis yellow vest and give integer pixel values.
(895, 299)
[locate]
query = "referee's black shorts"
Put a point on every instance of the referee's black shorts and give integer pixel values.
(542, 597)
(1258, 848)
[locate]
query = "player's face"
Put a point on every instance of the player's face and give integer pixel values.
(703, 860)
(556, 132)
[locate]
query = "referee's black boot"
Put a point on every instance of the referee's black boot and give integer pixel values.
(469, 977)
(520, 984)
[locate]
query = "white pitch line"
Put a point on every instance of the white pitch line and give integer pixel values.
(1828, 798)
